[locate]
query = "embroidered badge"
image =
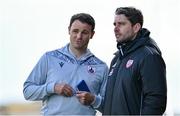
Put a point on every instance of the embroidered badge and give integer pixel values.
(61, 64)
(129, 63)
(91, 70)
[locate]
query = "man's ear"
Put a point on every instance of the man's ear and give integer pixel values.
(92, 34)
(137, 27)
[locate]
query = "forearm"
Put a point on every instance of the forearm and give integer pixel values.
(97, 101)
(37, 92)
(154, 105)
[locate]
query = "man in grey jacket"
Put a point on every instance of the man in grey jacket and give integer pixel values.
(70, 80)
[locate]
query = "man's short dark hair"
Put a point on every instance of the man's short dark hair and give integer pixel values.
(84, 18)
(133, 15)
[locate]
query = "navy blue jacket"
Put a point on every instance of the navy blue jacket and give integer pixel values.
(137, 79)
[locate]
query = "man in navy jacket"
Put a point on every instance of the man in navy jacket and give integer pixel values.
(137, 77)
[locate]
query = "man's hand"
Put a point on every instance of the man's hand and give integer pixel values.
(85, 98)
(63, 89)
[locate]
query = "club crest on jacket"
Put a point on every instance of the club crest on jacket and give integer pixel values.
(129, 63)
(91, 70)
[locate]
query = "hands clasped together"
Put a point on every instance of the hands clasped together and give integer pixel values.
(66, 90)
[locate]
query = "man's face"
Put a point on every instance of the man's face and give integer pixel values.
(123, 29)
(80, 34)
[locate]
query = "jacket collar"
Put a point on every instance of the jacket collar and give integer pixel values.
(141, 39)
(65, 50)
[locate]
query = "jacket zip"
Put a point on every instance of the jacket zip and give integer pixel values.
(120, 48)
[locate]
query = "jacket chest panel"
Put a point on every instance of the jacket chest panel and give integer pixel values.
(66, 72)
(128, 70)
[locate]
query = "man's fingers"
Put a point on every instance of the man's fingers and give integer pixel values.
(68, 91)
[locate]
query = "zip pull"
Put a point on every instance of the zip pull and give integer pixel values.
(120, 48)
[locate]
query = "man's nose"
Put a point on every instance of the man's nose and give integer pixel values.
(79, 35)
(116, 29)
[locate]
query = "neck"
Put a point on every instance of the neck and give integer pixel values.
(77, 52)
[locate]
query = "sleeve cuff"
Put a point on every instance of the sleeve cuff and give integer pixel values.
(50, 88)
(97, 101)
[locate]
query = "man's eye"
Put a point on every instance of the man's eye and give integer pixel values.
(85, 32)
(122, 23)
(75, 31)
